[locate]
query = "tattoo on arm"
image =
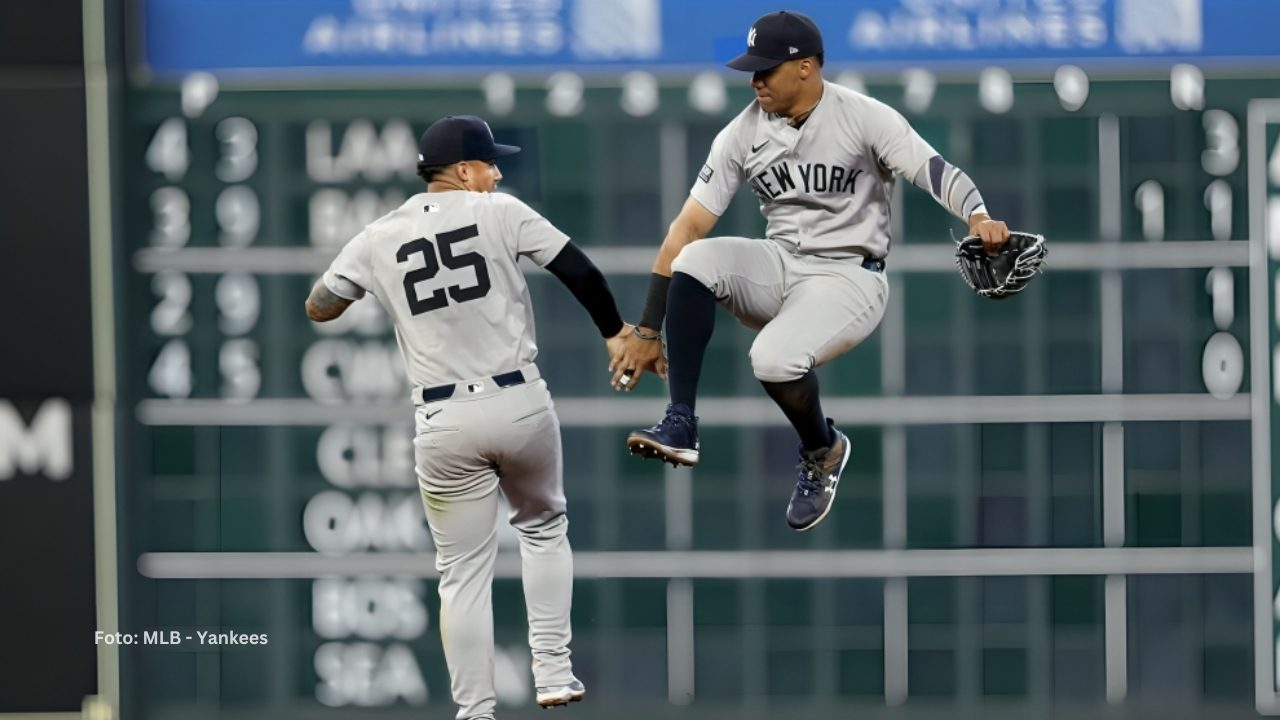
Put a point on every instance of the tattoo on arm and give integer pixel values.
(323, 305)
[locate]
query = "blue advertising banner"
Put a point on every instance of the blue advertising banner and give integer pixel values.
(379, 37)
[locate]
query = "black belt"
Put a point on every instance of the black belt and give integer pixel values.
(444, 392)
(870, 263)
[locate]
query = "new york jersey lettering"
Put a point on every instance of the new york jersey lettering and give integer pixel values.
(826, 186)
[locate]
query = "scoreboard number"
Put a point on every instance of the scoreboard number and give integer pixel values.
(171, 217)
(1217, 200)
(239, 158)
(238, 214)
(170, 316)
(1149, 200)
(1222, 364)
(170, 374)
(238, 303)
(1221, 155)
(167, 153)
(238, 363)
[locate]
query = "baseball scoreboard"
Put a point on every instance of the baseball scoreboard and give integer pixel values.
(1066, 497)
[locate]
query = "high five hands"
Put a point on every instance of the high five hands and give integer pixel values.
(631, 353)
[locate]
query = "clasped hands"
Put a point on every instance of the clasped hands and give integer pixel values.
(632, 353)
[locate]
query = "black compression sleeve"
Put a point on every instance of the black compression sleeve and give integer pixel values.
(573, 268)
(655, 305)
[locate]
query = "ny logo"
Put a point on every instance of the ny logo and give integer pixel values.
(751, 38)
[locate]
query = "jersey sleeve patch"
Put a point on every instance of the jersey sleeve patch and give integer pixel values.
(705, 173)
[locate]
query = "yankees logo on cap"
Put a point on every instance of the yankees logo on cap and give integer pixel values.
(777, 37)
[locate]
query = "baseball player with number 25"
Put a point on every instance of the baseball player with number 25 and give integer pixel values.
(821, 160)
(444, 266)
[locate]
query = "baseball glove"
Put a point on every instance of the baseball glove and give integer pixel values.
(1005, 273)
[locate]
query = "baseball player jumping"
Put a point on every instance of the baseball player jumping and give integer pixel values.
(444, 266)
(821, 160)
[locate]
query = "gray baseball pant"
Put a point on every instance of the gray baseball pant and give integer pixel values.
(468, 448)
(808, 309)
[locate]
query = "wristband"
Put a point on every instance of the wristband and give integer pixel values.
(655, 304)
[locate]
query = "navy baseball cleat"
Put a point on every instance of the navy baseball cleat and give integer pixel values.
(815, 491)
(674, 440)
(549, 697)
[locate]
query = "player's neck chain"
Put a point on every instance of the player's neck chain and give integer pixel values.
(798, 119)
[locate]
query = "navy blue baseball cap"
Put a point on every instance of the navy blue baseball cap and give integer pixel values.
(460, 137)
(776, 38)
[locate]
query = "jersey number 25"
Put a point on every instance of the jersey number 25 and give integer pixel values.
(427, 249)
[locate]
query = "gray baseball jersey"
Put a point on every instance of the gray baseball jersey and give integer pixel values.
(445, 266)
(824, 187)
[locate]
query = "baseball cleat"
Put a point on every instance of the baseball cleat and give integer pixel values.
(819, 476)
(674, 440)
(549, 697)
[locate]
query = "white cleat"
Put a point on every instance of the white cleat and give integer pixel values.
(549, 697)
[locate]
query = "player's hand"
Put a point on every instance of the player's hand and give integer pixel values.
(994, 233)
(623, 377)
(630, 356)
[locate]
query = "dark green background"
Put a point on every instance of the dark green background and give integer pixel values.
(777, 648)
